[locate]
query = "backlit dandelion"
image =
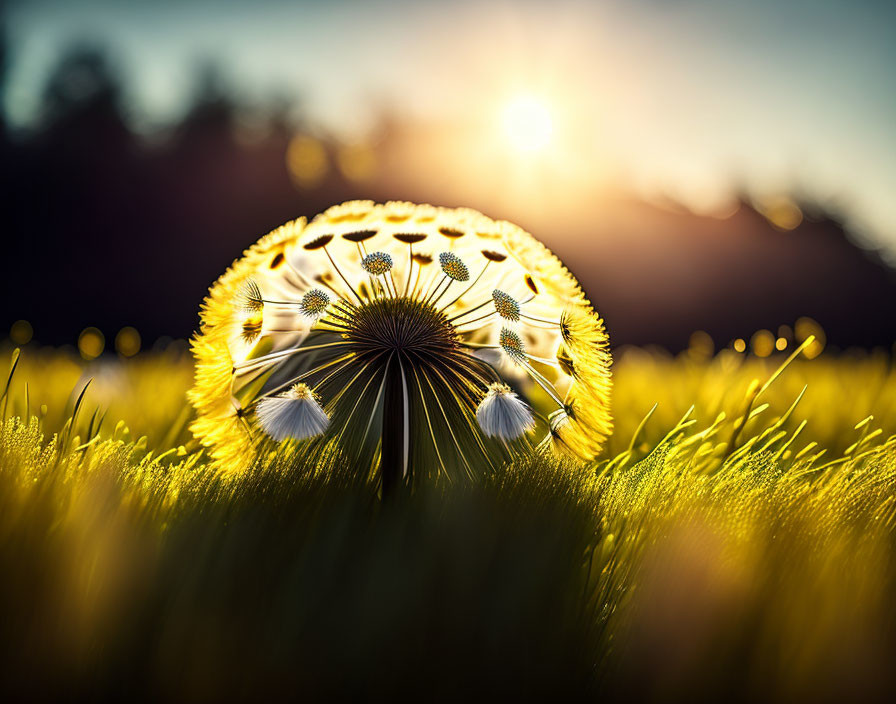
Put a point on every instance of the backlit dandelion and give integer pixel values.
(414, 339)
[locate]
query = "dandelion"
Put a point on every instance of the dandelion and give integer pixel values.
(404, 326)
(502, 414)
(295, 415)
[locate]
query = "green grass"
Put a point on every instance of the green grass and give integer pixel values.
(712, 551)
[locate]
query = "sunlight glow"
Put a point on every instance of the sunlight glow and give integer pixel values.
(527, 123)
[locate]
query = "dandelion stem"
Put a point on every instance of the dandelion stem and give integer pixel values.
(280, 303)
(396, 434)
(535, 319)
(432, 293)
(476, 320)
(407, 283)
(483, 346)
(436, 299)
(301, 377)
(342, 276)
(467, 312)
(433, 286)
(468, 288)
(276, 356)
(543, 383)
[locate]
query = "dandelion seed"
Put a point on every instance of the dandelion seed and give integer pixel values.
(314, 303)
(512, 344)
(503, 415)
(377, 263)
(295, 415)
(453, 267)
(399, 369)
(506, 306)
(250, 297)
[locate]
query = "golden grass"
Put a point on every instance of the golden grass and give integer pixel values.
(738, 533)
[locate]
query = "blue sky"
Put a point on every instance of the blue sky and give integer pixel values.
(689, 98)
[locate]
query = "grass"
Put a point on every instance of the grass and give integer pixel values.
(735, 541)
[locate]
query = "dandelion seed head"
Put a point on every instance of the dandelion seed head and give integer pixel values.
(314, 303)
(453, 267)
(506, 305)
(400, 369)
(377, 263)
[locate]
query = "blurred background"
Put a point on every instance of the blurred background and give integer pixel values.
(724, 167)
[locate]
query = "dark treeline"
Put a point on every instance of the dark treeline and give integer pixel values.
(111, 226)
(103, 226)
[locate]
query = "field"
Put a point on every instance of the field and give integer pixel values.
(737, 533)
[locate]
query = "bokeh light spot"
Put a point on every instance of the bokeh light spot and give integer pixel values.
(763, 343)
(701, 346)
(21, 332)
(803, 328)
(306, 160)
(781, 212)
(127, 341)
(357, 162)
(91, 343)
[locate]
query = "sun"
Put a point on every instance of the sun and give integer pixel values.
(527, 123)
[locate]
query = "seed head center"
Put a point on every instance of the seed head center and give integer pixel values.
(404, 325)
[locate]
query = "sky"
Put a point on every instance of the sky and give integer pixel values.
(691, 99)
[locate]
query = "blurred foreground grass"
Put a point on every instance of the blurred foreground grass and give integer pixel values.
(729, 544)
